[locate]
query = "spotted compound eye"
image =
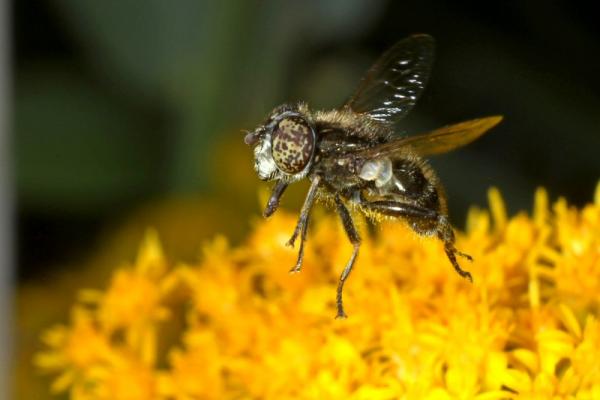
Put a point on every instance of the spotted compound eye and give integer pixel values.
(293, 144)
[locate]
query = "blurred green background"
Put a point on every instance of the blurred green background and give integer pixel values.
(129, 114)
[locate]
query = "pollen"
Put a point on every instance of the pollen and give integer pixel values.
(236, 324)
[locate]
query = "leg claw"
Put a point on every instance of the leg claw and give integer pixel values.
(467, 276)
(464, 255)
(341, 315)
(295, 269)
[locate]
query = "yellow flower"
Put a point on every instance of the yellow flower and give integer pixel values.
(75, 349)
(238, 325)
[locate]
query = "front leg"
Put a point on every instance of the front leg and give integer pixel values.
(420, 216)
(273, 202)
(302, 225)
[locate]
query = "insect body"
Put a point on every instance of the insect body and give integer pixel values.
(352, 158)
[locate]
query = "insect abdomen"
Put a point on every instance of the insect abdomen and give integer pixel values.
(409, 181)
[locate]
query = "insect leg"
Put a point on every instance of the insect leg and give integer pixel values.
(355, 240)
(415, 214)
(273, 202)
(302, 225)
(446, 235)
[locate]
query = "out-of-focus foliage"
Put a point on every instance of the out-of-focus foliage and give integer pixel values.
(204, 67)
(76, 149)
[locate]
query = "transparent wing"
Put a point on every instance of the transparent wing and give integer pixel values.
(393, 84)
(438, 141)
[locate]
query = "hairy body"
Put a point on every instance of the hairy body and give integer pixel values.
(354, 161)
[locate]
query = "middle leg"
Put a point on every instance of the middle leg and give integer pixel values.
(355, 240)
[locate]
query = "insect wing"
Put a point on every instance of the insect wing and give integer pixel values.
(393, 84)
(438, 141)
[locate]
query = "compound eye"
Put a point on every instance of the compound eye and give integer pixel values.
(293, 144)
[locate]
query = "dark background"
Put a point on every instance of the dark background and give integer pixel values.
(119, 105)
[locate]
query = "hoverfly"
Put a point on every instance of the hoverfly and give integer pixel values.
(353, 160)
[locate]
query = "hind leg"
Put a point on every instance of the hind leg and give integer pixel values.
(425, 222)
(446, 235)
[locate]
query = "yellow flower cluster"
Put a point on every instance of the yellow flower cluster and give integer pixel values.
(238, 325)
